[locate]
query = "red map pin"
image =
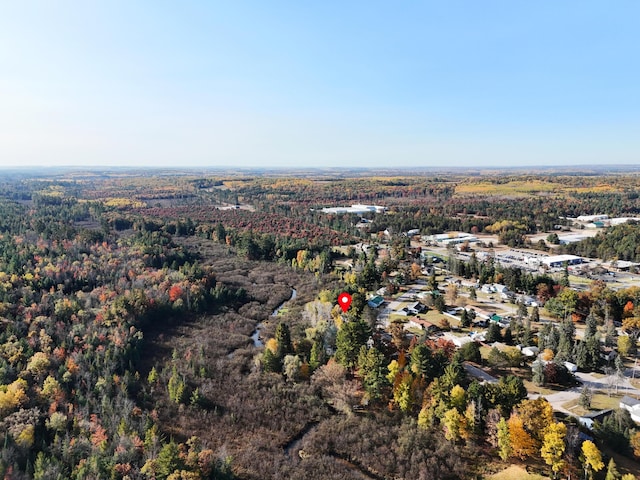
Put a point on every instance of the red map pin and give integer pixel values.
(344, 300)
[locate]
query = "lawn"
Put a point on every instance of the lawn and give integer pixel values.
(598, 402)
(533, 388)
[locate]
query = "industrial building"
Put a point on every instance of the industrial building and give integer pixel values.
(359, 209)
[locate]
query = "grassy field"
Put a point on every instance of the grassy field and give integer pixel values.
(509, 188)
(515, 472)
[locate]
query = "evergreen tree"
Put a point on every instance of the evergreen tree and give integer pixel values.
(535, 315)
(564, 281)
(538, 373)
(438, 302)
(372, 368)
(566, 341)
(522, 311)
(317, 357)
(350, 338)
(168, 460)
(270, 362)
(493, 333)
(508, 336)
(433, 283)
(465, 321)
(586, 394)
(527, 334)
(454, 374)
(611, 335)
(283, 337)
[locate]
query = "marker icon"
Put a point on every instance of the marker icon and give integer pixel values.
(344, 300)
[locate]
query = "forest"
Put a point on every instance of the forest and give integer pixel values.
(138, 338)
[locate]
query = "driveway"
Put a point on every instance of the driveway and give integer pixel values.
(479, 373)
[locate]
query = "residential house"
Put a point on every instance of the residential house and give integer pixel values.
(632, 405)
(608, 354)
(375, 302)
(530, 351)
(590, 418)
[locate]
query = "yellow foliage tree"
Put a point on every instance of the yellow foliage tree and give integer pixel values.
(12, 395)
(454, 425)
(635, 443)
(522, 444)
(394, 369)
(591, 458)
(272, 344)
(458, 398)
(547, 355)
(26, 437)
(536, 415)
(39, 363)
(184, 475)
(553, 446)
(424, 417)
(50, 387)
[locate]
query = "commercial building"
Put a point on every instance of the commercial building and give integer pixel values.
(557, 261)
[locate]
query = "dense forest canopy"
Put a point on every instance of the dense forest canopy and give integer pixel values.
(138, 337)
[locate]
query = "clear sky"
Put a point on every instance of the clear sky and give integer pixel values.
(319, 83)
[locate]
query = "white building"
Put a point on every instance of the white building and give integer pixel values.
(621, 220)
(632, 406)
(566, 239)
(557, 261)
(452, 238)
(592, 218)
(356, 209)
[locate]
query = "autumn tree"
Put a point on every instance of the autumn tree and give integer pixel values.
(452, 293)
(523, 445)
(634, 441)
(402, 394)
(612, 471)
(625, 345)
(553, 446)
(536, 415)
(453, 423)
(591, 458)
(504, 439)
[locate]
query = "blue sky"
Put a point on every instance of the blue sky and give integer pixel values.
(319, 84)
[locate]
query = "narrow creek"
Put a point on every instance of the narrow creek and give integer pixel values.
(292, 450)
(255, 336)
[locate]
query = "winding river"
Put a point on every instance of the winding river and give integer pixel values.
(255, 336)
